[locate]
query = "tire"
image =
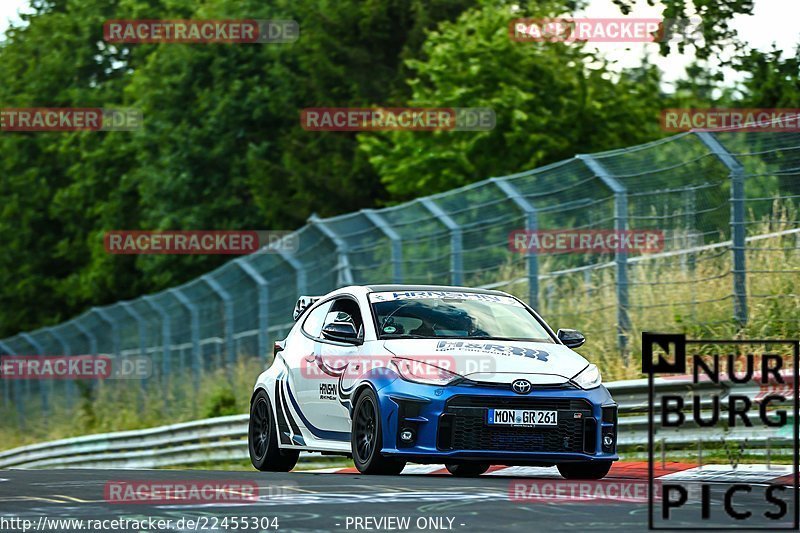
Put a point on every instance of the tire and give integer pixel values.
(467, 470)
(366, 441)
(262, 439)
(586, 470)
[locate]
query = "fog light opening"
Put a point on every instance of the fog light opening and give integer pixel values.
(407, 435)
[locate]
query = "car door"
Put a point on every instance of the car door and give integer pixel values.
(306, 376)
(338, 358)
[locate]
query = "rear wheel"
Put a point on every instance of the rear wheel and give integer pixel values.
(586, 470)
(467, 470)
(366, 440)
(262, 439)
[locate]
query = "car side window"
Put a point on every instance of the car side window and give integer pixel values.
(315, 319)
(345, 310)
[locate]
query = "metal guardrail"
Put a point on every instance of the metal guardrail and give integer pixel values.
(224, 439)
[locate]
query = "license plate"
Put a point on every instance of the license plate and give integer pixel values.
(521, 417)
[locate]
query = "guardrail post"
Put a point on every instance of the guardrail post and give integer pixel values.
(39, 353)
(299, 270)
(397, 242)
(620, 255)
(344, 273)
(456, 245)
(67, 350)
(263, 303)
(738, 230)
(531, 224)
(227, 303)
(194, 319)
(166, 335)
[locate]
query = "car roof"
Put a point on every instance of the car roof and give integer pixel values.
(401, 288)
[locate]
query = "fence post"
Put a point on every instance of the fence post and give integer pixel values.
(738, 231)
(531, 224)
(92, 342)
(166, 335)
(344, 273)
(691, 207)
(227, 302)
(103, 314)
(397, 242)
(67, 350)
(194, 320)
(263, 303)
(456, 244)
(40, 353)
(620, 255)
(299, 269)
(86, 333)
(7, 386)
(128, 308)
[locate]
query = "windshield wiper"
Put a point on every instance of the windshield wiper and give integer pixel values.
(491, 338)
(404, 336)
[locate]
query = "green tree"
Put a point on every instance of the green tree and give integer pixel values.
(551, 100)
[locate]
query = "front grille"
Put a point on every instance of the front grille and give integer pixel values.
(463, 426)
(521, 402)
(507, 386)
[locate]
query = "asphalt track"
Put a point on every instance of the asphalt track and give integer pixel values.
(326, 501)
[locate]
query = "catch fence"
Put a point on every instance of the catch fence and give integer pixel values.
(724, 202)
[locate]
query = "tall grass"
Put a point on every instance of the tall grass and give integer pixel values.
(679, 294)
(117, 405)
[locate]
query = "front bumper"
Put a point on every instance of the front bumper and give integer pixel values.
(448, 424)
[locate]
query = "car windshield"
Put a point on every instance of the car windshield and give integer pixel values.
(446, 314)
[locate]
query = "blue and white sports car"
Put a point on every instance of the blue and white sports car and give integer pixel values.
(388, 374)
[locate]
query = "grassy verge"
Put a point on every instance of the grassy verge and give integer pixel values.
(118, 405)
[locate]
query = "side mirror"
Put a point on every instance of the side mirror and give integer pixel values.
(341, 331)
(571, 338)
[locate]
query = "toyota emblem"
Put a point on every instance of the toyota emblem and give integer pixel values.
(521, 386)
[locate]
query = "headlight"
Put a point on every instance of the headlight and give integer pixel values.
(419, 372)
(588, 378)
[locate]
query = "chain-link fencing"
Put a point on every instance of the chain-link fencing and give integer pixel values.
(723, 201)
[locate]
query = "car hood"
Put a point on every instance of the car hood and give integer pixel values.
(494, 361)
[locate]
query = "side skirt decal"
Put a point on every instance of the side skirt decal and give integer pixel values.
(340, 436)
(283, 428)
(297, 436)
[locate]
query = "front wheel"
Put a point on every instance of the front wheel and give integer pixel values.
(366, 441)
(467, 469)
(586, 470)
(262, 439)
